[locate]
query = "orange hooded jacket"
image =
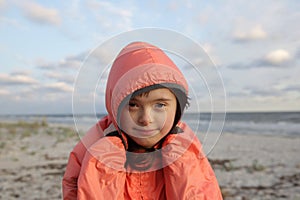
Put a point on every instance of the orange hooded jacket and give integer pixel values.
(97, 167)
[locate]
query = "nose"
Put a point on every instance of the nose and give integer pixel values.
(144, 117)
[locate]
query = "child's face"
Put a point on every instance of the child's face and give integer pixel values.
(147, 118)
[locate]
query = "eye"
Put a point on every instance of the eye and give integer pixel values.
(160, 105)
(132, 105)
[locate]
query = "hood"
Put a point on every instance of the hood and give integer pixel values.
(140, 65)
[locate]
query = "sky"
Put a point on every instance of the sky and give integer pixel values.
(254, 45)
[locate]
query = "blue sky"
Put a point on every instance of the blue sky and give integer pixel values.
(255, 45)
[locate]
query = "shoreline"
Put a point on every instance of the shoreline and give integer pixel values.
(34, 155)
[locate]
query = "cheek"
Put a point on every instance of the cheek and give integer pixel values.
(125, 120)
(168, 122)
(160, 119)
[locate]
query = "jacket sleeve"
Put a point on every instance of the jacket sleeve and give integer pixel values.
(188, 174)
(102, 174)
(69, 182)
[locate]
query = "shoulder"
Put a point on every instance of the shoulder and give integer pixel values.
(106, 154)
(182, 147)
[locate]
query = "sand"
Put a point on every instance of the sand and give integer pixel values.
(257, 166)
(33, 158)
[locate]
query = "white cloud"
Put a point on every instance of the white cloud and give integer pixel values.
(4, 92)
(277, 57)
(254, 33)
(208, 48)
(70, 62)
(60, 76)
(59, 87)
(41, 14)
(16, 79)
(257, 33)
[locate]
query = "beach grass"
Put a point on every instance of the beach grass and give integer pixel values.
(25, 129)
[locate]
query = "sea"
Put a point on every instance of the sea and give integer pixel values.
(267, 123)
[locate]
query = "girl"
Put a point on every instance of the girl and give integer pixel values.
(141, 149)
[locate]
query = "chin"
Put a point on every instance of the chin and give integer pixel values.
(146, 144)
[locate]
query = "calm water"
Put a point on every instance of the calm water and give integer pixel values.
(274, 123)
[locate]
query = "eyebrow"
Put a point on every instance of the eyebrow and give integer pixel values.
(162, 99)
(159, 99)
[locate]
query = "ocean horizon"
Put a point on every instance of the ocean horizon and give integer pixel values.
(270, 123)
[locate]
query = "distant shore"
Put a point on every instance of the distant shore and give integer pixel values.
(34, 155)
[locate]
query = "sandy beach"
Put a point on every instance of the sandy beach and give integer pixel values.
(34, 155)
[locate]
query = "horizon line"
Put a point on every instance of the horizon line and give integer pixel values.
(204, 112)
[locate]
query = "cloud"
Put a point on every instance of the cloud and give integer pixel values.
(58, 87)
(70, 62)
(297, 53)
(4, 92)
(108, 6)
(74, 10)
(16, 79)
(27, 90)
(5, 20)
(40, 14)
(43, 92)
(111, 15)
(21, 73)
(263, 92)
(61, 77)
(292, 88)
(208, 48)
(10, 22)
(277, 57)
(255, 33)
(255, 91)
